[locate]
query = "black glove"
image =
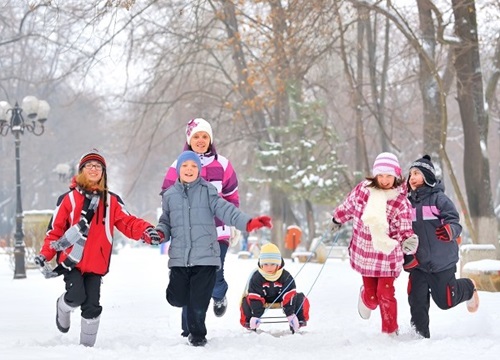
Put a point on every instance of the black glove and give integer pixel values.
(40, 260)
(336, 225)
(410, 262)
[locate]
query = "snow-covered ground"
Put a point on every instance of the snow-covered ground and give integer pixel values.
(138, 323)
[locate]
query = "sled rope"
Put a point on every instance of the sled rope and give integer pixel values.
(335, 239)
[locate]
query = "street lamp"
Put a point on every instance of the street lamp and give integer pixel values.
(36, 111)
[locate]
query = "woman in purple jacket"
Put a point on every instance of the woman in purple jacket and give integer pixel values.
(217, 170)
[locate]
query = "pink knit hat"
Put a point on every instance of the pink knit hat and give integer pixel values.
(386, 163)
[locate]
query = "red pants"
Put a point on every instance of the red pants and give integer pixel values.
(380, 292)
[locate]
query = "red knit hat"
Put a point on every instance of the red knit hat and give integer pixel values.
(92, 155)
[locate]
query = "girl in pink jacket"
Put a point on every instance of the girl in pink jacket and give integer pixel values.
(381, 233)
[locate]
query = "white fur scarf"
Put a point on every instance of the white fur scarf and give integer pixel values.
(374, 216)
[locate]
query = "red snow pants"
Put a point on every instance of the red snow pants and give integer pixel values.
(379, 291)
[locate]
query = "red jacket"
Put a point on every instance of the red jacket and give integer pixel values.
(97, 251)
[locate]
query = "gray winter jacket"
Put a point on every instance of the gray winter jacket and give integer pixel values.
(187, 219)
(432, 208)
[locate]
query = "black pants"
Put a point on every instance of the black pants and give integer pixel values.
(83, 290)
(299, 303)
(192, 287)
(445, 289)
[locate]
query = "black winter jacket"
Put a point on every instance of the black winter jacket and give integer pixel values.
(432, 208)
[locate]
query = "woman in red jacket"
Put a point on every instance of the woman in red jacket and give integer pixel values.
(80, 236)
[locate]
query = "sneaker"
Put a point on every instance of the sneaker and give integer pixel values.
(220, 307)
(196, 341)
(363, 310)
(473, 302)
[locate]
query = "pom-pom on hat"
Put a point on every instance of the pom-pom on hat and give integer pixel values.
(424, 164)
(185, 156)
(197, 125)
(386, 163)
(92, 155)
(270, 254)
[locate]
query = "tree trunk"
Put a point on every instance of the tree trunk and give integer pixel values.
(429, 88)
(474, 118)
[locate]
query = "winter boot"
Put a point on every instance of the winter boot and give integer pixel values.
(220, 307)
(363, 310)
(88, 332)
(63, 314)
(197, 341)
(473, 302)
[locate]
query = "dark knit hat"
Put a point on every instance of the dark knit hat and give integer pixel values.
(92, 155)
(424, 164)
(185, 156)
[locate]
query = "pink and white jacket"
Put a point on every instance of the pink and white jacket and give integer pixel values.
(217, 170)
(397, 225)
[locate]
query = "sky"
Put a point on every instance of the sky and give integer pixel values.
(138, 323)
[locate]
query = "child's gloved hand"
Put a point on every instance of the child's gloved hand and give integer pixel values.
(258, 222)
(153, 237)
(254, 322)
(410, 262)
(293, 321)
(40, 260)
(336, 225)
(444, 233)
(410, 245)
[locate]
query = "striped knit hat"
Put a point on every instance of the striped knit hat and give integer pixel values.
(92, 155)
(424, 164)
(386, 163)
(270, 254)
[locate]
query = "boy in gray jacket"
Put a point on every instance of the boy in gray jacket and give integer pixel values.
(188, 211)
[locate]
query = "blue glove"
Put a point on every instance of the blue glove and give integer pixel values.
(293, 321)
(254, 322)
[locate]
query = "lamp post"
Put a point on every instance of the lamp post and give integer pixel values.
(12, 119)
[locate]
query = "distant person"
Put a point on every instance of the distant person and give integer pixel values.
(436, 222)
(219, 171)
(382, 232)
(188, 211)
(270, 283)
(80, 236)
(244, 240)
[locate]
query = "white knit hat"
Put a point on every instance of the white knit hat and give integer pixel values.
(197, 125)
(386, 163)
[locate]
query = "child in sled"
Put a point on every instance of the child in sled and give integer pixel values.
(272, 284)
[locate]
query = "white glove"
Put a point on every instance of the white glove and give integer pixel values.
(254, 322)
(410, 245)
(293, 321)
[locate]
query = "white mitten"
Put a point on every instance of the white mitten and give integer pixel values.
(410, 245)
